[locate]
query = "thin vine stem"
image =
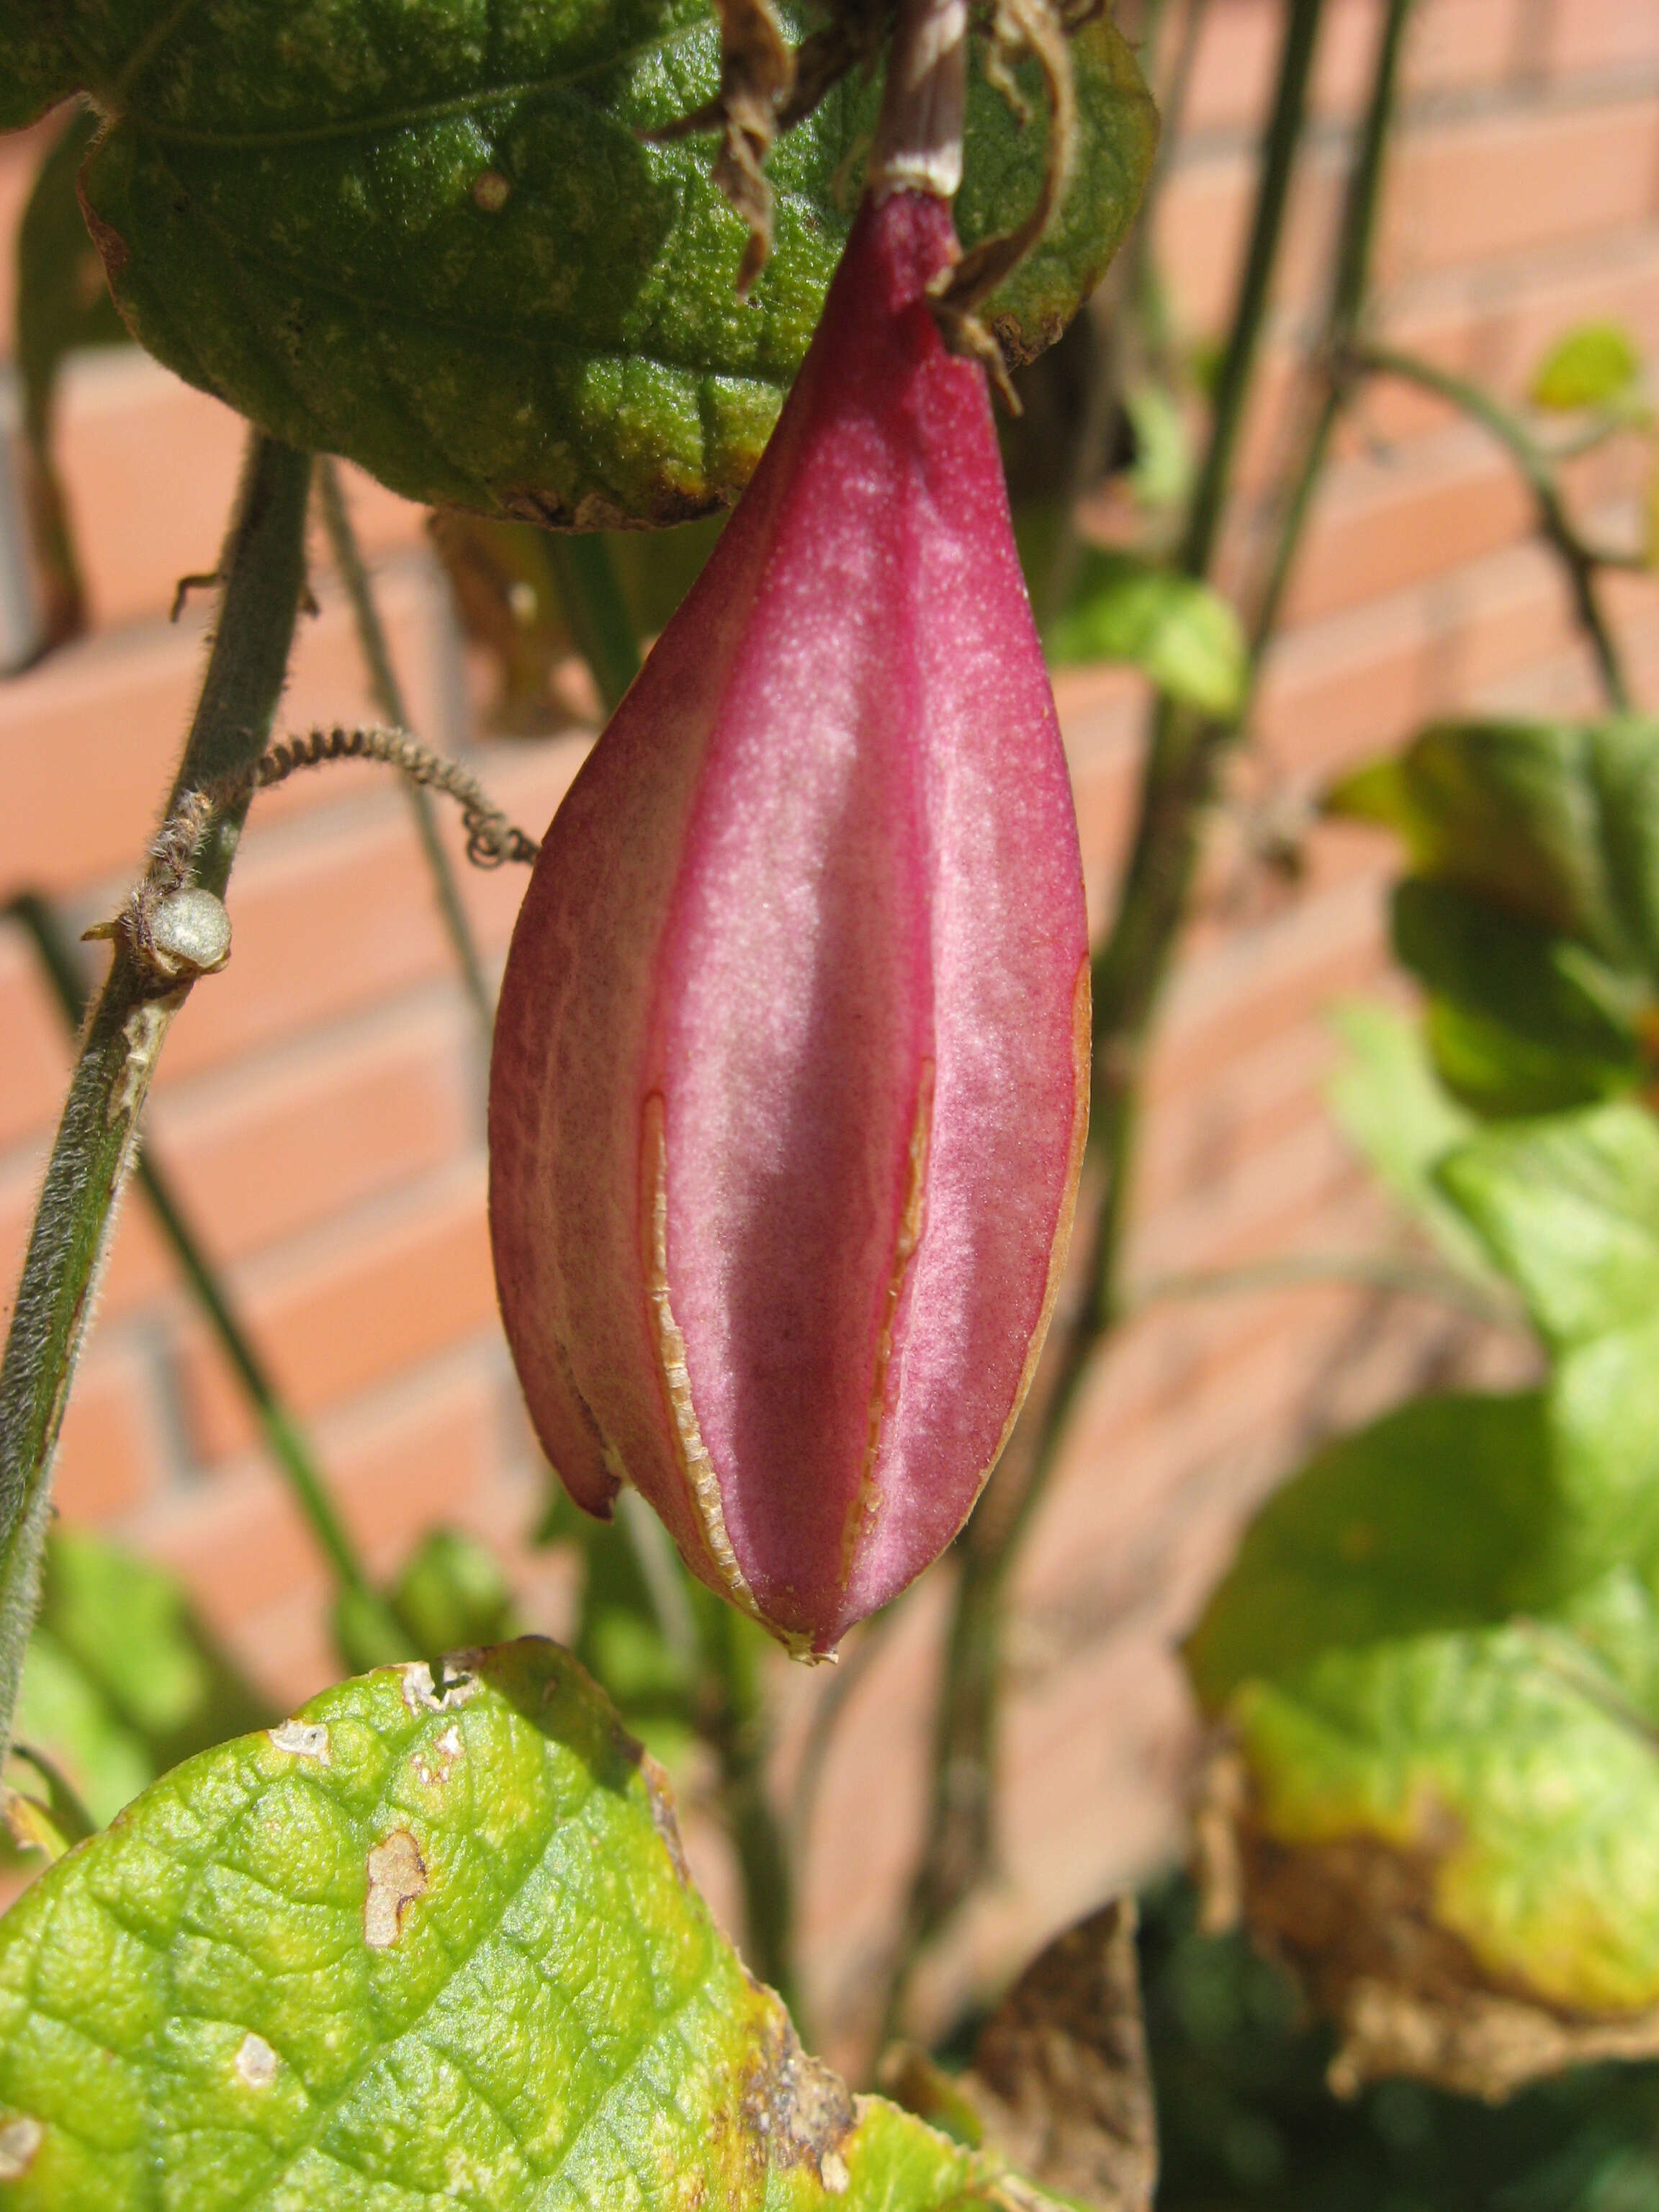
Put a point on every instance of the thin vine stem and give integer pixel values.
(730, 1712)
(1343, 321)
(733, 1719)
(388, 695)
(1377, 1270)
(262, 570)
(1129, 279)
(594, 607)
(833, 1700)
(285, 1437)
(1581, 563)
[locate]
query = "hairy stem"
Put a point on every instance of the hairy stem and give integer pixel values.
(596, 611)
(264, 571)
(283, 1436)
(388, 697)
(1580, 563)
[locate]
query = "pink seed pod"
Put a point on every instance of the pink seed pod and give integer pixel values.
(790, 1081)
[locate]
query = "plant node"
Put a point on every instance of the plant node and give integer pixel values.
(175, 930)
(767, 88)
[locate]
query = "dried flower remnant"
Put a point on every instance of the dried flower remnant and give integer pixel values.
(790, 1067)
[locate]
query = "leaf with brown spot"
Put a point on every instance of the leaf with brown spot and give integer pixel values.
(282, 1980)
(396, 1875)
(1436, 1659)
(1059, 2084)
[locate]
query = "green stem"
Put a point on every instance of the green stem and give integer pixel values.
(1128, 975)
(1144, 286)
(1579, 561)
(734, 1723)
(833, 1700)
(596, 611)
(731, 1719)
(1233, 380)
(263, 570)
(388, 697)
(1342, 321)
(1118, 334)
(283, 1437)
(1377, 1270)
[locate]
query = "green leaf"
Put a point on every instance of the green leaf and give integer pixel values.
(1161, 475)
(1388, 1104)
(435, 240)
(1522, 1020)
(1556, 822)
(1426, 1522)
(450, 1596)
(1183, 635)
(121, 1680)
(63, 304)
(39, 71)
(1411, 1657)
(43, 1811)
(423, 1943)
(451, 1593)
(1592, 366)
(63, 300)
(1569, 1208)
(1505, 1764)
(1438, 1651)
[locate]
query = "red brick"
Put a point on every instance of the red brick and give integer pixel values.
(1338, 691)
(345, 1308)
(1257, 981)
(1470, 195)
(262, 1154)
(1492, 184)
(1387, 520)
(412, 1457)
(1494, 326)
(112, 1457)
(1567, 684)
(276, 1143)
(1600, 35)
(37, 1058)
(150, 466)
(1202, 216)
(89, 740)
(1211, 1127)
(1453, 47)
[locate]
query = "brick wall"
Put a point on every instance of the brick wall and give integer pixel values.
(320, 1104)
